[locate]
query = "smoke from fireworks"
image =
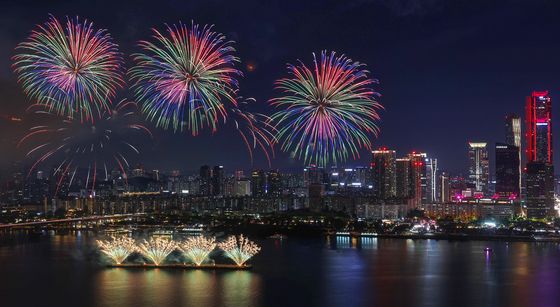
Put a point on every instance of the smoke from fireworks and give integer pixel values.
(157, 249)
(73, 70)
(182, 78)
(327, 113)
(197, 249)
(117, 248)
(240, 250)
(72, 145)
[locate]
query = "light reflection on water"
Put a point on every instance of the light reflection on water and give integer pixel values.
(165, 287)
(342, 271)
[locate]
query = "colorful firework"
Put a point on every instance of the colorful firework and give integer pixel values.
(182, 78)
(240, 250)
(72, 145)
(73, 70)
(255, 130)
(157, 249)
(326, 114)
(197, 249)
(117, 248)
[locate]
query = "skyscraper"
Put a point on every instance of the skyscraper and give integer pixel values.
(403, 179)
(431, 195)
(479, 166)
(258, 183)
(417, 177)
(205, 180)
(538, 114)
(218, 180)
(513, 137)
(540, 190)
(507, 170)
(383, 167)
(540, 171)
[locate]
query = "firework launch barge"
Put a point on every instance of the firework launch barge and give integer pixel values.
(182, 266)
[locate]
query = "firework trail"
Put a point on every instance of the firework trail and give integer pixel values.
(240, 250)
(254, 129)
(183, 77)
(326, 113)
(70, 144)
(72, 69)
(117, 248)
(157, 249)
(197, 249)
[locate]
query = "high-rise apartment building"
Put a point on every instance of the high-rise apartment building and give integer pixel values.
(479, 166)
(383, 167)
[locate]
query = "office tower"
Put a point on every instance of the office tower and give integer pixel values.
(274, 183)
(258, 183)
(479, 166)
(444, 188)
(417, 176)
(431, 196)
(205, 180)
(513, 137)
(540, 190)
(383, 167)
(507, 170)
(218, 180)
(538, 114)
(403, 179)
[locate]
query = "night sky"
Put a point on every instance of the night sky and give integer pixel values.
(449, 71)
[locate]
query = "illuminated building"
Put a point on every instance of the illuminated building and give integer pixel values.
(258, 183)
(507, 170)
(513, 137)
(444, 188)
(383, 167)
(417, 176)
(430, 195)
(538, 113)
(403, 179)
(478, 167)
(273, 179)
(205, 180)
(540, 190)
(218, 180)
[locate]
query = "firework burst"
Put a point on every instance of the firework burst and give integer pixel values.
(240, 250)
(183, 78)
(117, 248)
(197, 249)
(72, 145)
(327, 113)
(157, 249)
(73, 70)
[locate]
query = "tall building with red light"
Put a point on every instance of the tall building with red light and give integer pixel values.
(383, 167)
(538, 136)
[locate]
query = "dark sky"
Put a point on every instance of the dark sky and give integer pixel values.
(449, 71)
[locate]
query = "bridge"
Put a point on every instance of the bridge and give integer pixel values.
(93, 218)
